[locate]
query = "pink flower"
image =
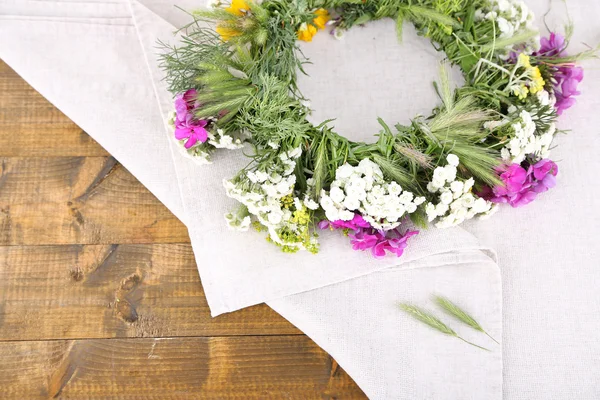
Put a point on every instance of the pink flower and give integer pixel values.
(365, 237)
(514, 177)
(521, 186)
(186, 125)
(363, 240)
(567, 76)
(553, 46)
(380, 242)
(544, 172)
(191, 130)
(354, 224)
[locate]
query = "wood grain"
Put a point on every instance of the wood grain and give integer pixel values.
(31, 126)
(283, 367)
(79, 200)
(108, 291)
(99, 293)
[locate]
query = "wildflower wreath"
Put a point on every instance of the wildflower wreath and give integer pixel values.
(488, 142)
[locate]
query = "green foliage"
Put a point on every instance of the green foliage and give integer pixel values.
(183, 63)
(249, 84)
(272, 115)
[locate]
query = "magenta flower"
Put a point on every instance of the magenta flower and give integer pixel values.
(380, 242)
(354, 224)
(514, 177)
(567, 76)
(544, 172)
(553, 46)
(521, 186)
(365, 237)
(186, 125)
(363, 240)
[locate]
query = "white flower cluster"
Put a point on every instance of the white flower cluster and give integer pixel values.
(221, 140)
(526, 141)
(262, 192)
(363, 189)
(456, 202)
(511, 17)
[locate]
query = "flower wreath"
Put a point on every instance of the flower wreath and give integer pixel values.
(488, 142)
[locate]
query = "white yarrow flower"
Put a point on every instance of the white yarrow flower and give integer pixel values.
(455, 203)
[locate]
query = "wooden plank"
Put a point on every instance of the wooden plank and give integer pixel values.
(110, 291)
(31, 126)
(290, 367)
(79, 200)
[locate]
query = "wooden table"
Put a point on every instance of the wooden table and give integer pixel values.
(99, 292)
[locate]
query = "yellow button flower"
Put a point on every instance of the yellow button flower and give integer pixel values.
(238, 7)
(524, 60)
(537, 82)
(306, 32)
(322, 18)
(521, 91)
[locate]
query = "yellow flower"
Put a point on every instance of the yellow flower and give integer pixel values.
(537, 82)
(227, 33)
(306, 32)
(520, 91)
(238, 7)
(301, 217)
(524, 60)
(322, 18)
(287, 201)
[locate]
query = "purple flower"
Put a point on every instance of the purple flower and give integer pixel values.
(567, 76)
(354, 224)
(365, 237)
(380, 242)
(514, 177)
(553, 46)
(186, 125)
(544, 172)
(521, 187)
(563, 103)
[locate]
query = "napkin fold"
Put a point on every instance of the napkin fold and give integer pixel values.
(386, 352)
(102, 72)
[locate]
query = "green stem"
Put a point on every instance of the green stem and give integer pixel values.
(490, 336)
(492, 64)
(472, 344)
